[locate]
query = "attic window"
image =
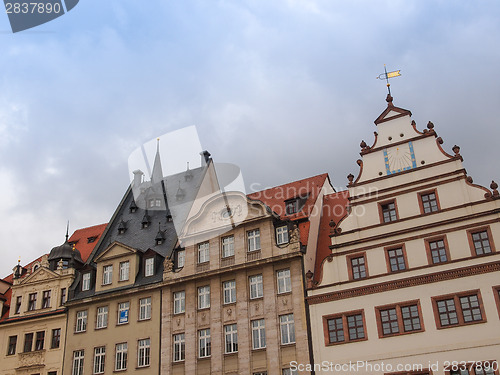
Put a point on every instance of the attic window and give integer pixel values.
(122, 227)
(155, 203)
(91, 239)
(146, 220)
(133, 207)
(291, 206)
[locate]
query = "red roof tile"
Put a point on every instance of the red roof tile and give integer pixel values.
(81, 239)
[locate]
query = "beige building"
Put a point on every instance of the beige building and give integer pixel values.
(412, 282)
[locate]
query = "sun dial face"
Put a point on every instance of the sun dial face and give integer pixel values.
(399, 158)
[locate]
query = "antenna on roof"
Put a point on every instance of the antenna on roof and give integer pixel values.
(386, 76)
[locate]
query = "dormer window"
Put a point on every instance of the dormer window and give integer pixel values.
(86, 281)
(282, 235)
(155, 202)
(149, 267)
(146, 220)
(107, 275)
(133, 207)
(91, 239)
(291, 206)
(122, 227)
(124, 271)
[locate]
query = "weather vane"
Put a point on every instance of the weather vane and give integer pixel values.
(386, 76)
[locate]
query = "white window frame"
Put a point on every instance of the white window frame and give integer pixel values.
(228, 246)
(101, 317)
(124, 274)
(253, 240)
(258, 334)
(179, 351)
(181, 258)
(107, 274)
(143, 352)
(99, 359)
(204, 343)
(78, 358)
(256, 286)
(204, 252)
(289, 371)
(287, 329)
(282, 235)
(229, 291)
(121, 353)
(86, 281)
(81, 321)
(284, 281)
(230, 338)
(203, 297)
(145, 308)
(123, 306)
(179, 302)
(149, 267)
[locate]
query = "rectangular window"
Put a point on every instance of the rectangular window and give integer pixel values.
(203, 252)
(46, 299)
(282, 235)
(145, 308)
(179, 302)
(123, 312)
(107, 275)
(396, 259)
(86, 281)
(56, 338)
(19, 300)
(291, 206)
(231, 338)
(289, 371)
(121, 356)
(99, 359)
(258, 334)
(287, 328)
(253, 238)
(437, 251)
(357, 267)
(179, 347)
(481, 242)
(204, 297)
(228, 246)
(256, 286)
(28, 342)
(429, 202)
(229, 290)
(11, 350)
(40, 340)
(149, 267)
(143, 352)
(399, 319)
(204, 343)
(181, 258)
(81, 321)
(63, 296)
(284, 281)
(343, 328)
(78, 357)
(124, 271)
(458, 309)
(102, 317)
(388, 211)
(32, 302)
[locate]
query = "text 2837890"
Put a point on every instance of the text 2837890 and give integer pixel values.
(33, 7)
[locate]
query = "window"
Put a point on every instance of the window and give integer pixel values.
(32, 302)
(258, 334)
(181, 258)
(388, 211)
(102, 317)
(291, 206)
(231, 338)
(63, 296)
(204, 297)
(343, 328)
(52, 373)
(91, 239)
(121, 356)
(282, 235)
(357, 267)
(475, 368)
(399, 319)
(86, 281)
(253, 238)
(256, 287)
(284, 281)
(179, 347)
(149, 267)
(11, 349)
(107, 275)
(19, 299)
(204, 343)
(228, 246)
(46, 299)
(287, 327)
(81, 321)
(458, 309)
(481, 242)
(396, 259)
(99, 359)
(56, 338)
(203, 252)
(429, 202)
(229, 290)
(78, 357)
(145, 308)
(40, 340)
(123, 310)
(124, 271)
(289, 371)
(143, 352)
(179, 302)
(28, 342)
(437, 251)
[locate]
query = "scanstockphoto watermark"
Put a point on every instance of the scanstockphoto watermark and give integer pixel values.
(361, 367)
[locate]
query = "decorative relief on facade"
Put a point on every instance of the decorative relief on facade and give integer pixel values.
(31, 359)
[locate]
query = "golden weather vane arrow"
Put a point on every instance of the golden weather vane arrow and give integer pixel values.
(386, 76)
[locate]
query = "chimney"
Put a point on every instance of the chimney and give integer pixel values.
(205, 157)
(137, 177)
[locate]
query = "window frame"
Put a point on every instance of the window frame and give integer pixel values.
(149, 267)
(290, 329)
(428, 249)
(381, 211)
(121, 356)
(228, 245)
(39, 340)
(292, 203)
(282, 231)
(179, 344)
(19, 302)
(182, 301)
(203, 252)
(259, 286)
(46, 299)
(121, 307)
(124, 271)
(102, 317)
(496, 293)
(85, 281)
(231, 291)
(285, 280)
(202, 297)
(28, 338)
(78, 361)
(388, 258)
(181, 254)
(458, 308)
(253, 240)
(99, 360)
(144, 352)
(81, 327)
(231, 338)
(147, 308)
(398, 306)
(107, 274)
(207, 343)
(32, 297)
(344, 316)
(55, 341)
(12, 345)
(421, 202)
(256, 326)
(471, 232)
(350, 266)
(62, 299)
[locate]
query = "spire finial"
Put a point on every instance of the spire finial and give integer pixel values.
(386, 76)
(188, 166)
(67, 231)
(158, 144)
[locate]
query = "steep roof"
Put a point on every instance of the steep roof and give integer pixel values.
(85, 239)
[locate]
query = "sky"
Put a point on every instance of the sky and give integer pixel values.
(285, 89)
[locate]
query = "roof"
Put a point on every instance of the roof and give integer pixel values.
(10, 278)
(80, 238)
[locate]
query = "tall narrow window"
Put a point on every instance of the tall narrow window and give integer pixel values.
(28, 342)
(121, 356)
(143, 352)
(56, 338)
(86, 281)
(258, 334)
(389, 212)
(149, 267)
(11, 350)
(145, 308)
(107, 275)
(46, 299)
(256, 286)
(253, 238)
(19, 300)
(229, 290)
(204, 343)
(282, 235)
(291, 206)
(123, 312)
(287, 328)
(124, 271)
(102, 317)
(231, 338)
(203, 252)
(357, 267)
(81, 321)
(63, 296)
(99, 359)
(284, 281)
(181, 258)
(32, 302)
(179, 347)
(396, 259)
(204, 297)
(40, 340)
(179, 302)
(228, 246)
(78, 357)
(429, 202)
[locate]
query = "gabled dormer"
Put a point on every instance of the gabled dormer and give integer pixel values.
(117, 266)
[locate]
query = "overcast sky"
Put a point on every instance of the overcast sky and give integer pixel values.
(283, 89)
